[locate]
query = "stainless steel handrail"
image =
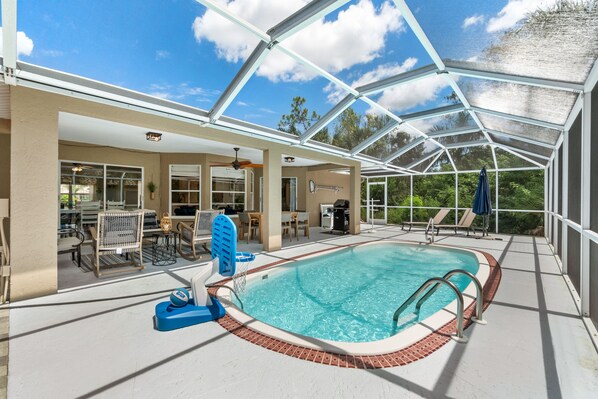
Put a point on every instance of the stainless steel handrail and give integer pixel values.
(422, 288)
(479, 308)
(429, 227)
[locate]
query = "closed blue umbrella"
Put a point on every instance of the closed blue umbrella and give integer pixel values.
(482, 203)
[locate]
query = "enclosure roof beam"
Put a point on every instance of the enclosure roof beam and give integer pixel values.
(434, 160)
(423, 39)
(472, 143)
(390, 126)
(453, 132)
(303, 17)
(525, 80)
(9, 41)
(419, 33)
(592, 78)
(449, 109)
(451, 160)
(511, 151)
(404, 149)
(326, 119)
(392, 81)
(518, 118)
(523, 139)
(247, 70)
(525, 152)
(424, 159)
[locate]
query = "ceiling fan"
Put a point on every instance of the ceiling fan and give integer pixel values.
(77, 167)
(236, 165)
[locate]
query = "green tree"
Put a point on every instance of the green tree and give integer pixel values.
(300, 119)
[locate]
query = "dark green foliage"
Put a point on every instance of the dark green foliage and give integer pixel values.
(300, 119)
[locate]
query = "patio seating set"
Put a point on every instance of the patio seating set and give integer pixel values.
(125, 233)
(250, 223)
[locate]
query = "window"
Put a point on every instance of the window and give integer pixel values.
(185, 189)
(107, 184)
(228, 188)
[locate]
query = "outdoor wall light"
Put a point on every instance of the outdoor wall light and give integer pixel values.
(289, 159)
(152, 136)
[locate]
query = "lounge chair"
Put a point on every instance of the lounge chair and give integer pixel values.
(464, 223)
(437, 219)
(199, 232)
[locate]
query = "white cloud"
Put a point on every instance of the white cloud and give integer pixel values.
(399, 98)
(335, 93)
(52, 53)
(242, 104)
(473, 20)
(412, 94)
(356, 36)
(162, 54)
(182, 91)
(24, 44)
(515, 11)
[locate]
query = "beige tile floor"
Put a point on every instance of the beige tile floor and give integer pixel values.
(98, 341)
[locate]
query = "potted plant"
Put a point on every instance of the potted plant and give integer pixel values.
(151, 186)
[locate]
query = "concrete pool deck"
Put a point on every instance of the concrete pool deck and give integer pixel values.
(99, 341)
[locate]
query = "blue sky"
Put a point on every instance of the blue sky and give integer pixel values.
(180, 51)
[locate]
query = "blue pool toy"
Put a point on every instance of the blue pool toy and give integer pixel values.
(201, 306)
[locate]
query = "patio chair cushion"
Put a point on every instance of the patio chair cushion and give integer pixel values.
(68, 243)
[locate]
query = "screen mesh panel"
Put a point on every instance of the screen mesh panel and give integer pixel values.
(520, 129)
(534, 102)
(516, 144)
(574, 181)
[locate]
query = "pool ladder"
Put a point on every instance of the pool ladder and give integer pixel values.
(430, 227)
(437, 282)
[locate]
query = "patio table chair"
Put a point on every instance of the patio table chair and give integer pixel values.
(120, 233)
(286, 219)
(247, 224)
(88, 214)
(199, 232)
(302, 222)
(69, 241)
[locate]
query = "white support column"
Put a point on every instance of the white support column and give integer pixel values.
(496, 189)
(355, 199)
(367, 201)
(9, 41)
(385, 199)
(547, 173)
(586, 160)
(456, 197)
(411, 198)
(271, 238)
(565, 215)
(555, 187)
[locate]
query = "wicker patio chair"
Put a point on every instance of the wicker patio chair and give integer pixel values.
(120, 233)
(199, 232)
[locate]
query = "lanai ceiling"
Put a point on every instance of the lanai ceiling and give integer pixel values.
(501, 96)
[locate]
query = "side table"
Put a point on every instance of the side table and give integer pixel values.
(164, 249)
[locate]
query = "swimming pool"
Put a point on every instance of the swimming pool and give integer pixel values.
(348, 297)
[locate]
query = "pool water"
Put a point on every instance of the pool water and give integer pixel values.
(351, 295)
